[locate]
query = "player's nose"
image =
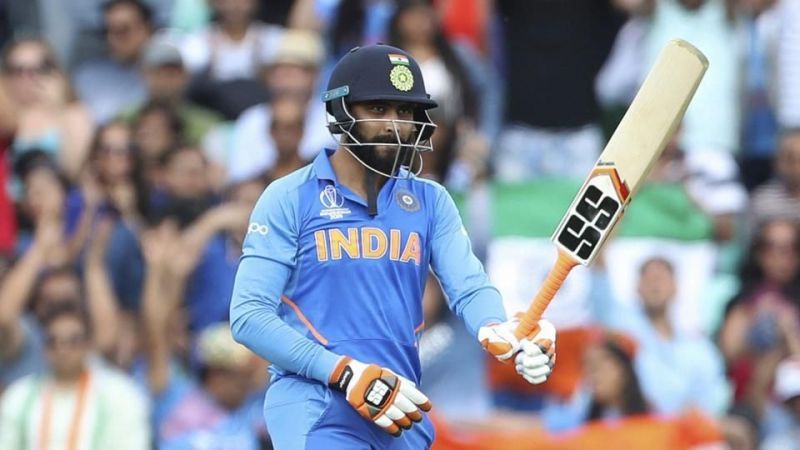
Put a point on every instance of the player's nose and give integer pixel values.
(389, 126)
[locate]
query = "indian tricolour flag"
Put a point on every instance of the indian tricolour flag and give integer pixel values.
(394, 58)
(518, 219)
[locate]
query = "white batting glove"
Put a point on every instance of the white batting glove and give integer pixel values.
(537, 355)
(498, 339)
(379, 395)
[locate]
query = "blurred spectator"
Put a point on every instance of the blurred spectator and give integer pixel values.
(115, 166)
(39, 278)
(186, 192)
(167, 81)
(76, 403)
(613, 383)
(210, 250)
(787, 391)
(157, 130)
(76, 29)
(235, 46)
(711, 180)
(293, 73)
(611, 390)
(713, 118)
(45, 112)
(759, 32)
(677, 370)
(221, 409)
(740, 428)
(444, 343)
(43, 205)
(110, 85)
(415, 28)
(286, 129)
(460, 82)
(762, 323)
(113, 189)
(553, 51)
(226, 57)
(780, 198)
(352, 23)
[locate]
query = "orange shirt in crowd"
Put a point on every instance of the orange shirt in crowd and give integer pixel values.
(690, 430)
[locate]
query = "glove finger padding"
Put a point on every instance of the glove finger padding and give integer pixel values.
(379, 395)
(536, 359)
(410, 391)
(398, 417)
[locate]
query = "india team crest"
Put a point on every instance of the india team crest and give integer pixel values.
(407, 200)
(333, 203)
(402, 78)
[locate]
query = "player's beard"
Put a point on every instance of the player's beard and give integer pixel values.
(382, 160)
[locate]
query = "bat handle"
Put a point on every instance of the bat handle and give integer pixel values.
(555, 278)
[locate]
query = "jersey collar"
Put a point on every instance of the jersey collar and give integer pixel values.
(324, 171)
(322, 165)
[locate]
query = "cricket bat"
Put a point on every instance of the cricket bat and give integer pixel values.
(647, 127)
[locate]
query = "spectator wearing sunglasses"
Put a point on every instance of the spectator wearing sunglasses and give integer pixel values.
(45, 113)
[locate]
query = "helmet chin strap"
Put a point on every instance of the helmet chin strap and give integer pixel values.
(372, 192)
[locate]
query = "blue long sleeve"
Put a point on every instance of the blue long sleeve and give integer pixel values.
(464, 281)
(268, 258)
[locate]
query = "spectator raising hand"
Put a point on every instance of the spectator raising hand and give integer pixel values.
(47, 115)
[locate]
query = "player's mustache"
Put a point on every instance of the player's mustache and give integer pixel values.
(388, 139)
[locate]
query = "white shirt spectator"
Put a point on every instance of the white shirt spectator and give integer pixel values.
(712, 119)
(107, 410)
(210, 49)
(789, 65)
(253, 150)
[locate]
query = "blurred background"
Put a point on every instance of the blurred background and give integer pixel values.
(136, 136)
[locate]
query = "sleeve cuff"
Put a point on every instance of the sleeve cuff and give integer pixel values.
(324, 365)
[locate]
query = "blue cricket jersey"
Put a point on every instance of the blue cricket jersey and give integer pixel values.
(320, 278)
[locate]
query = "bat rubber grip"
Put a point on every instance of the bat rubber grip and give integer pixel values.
(555, 278)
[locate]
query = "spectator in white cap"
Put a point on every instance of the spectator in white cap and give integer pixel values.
(787, 391)
(293, 72)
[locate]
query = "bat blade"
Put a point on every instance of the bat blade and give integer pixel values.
(646, 128)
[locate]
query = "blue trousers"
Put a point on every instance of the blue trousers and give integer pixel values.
(305, 415)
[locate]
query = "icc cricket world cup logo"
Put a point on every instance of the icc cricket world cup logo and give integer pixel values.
(332, 202)
(330, 198)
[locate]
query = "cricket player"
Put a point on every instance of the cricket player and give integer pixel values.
(329, 287)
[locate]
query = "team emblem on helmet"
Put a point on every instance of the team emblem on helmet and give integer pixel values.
(401, 78)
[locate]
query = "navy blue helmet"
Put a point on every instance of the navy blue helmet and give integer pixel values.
(379, 73)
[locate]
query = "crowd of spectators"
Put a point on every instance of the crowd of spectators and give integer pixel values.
(137, 135)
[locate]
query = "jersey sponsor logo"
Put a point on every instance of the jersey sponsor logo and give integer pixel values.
(333, 203)
(407, 200)
(368, 243)
(257, 228)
